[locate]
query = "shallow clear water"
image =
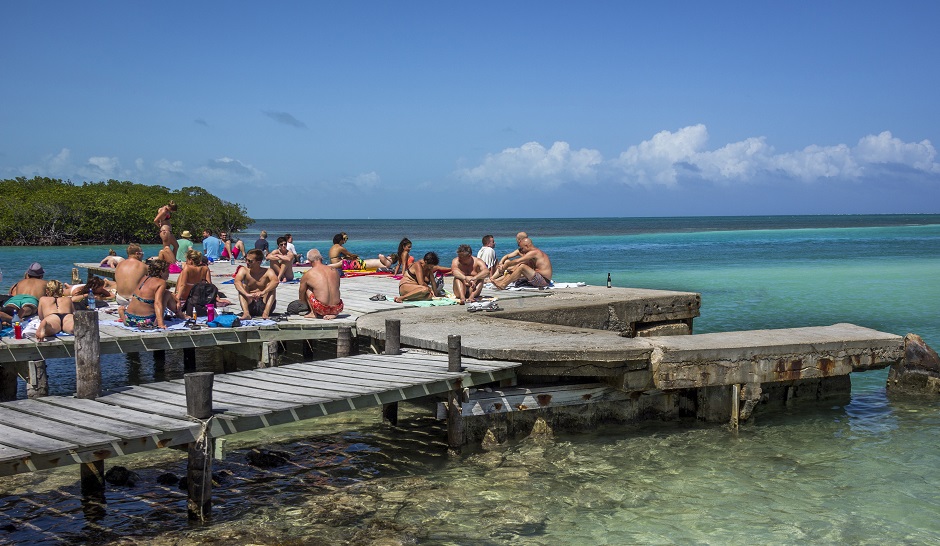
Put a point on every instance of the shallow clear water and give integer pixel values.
(860, 473)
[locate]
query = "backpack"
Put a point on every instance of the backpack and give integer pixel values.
(202, 294)
(297, 307)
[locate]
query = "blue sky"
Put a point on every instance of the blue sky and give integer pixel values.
(484, 109)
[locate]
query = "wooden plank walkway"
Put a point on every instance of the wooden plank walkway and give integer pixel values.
(62, 430)
(356, 292)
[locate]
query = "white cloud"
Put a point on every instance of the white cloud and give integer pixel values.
(670, 156)
(533, 162)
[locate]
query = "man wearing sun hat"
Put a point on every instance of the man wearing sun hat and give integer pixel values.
(185, 244)
(26, 293)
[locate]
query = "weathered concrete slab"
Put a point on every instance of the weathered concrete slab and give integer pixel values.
(766, 356)
(570, 329)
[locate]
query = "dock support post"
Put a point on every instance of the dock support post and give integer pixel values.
(7, 382)
(268, 357)
(392, 347)
(735, 406)
(455, 424)
(343, 341)
(189, 359)
(306, 348)
(88, 386)
(38, 385)
(199, 467)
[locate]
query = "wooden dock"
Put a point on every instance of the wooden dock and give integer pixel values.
(61, 430)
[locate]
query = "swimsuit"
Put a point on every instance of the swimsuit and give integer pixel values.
(353, 264)
(137, 320)
(537, 281)
(20, 300)
(140, 299)
(256, 308)
(320, 309)
(235, 252)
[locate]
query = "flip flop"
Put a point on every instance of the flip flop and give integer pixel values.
(378, 297)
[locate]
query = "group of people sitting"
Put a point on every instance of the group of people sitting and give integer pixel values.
(53, 301)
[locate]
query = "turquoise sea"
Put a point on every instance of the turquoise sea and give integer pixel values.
(860, 473)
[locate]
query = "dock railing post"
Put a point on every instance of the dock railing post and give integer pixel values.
(455, 428)
(38, 385)
(392, 347)
(88, 386)
(343, 341)
(199, 467)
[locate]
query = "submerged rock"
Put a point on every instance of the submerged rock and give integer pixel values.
(918, 373)
(267, 458)
(118, 475)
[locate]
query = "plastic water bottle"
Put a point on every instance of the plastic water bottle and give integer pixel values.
(232, 260)
(17, 327)
(608, 280)
(91, 300)
(210, 312)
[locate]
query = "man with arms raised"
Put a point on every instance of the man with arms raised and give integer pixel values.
(469, 273)
(128, 273)
(533, 268)
(256, 286)
(319, 287)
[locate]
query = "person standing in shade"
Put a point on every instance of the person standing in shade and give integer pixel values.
(211, 246)
(186, 243)
(262, 244)
(487, 253)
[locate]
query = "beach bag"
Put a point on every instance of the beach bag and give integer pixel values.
(225, 321)
(202, 294)
(297, 307)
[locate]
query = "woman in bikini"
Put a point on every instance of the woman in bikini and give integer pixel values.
(55, 311)
(166, 231)
(401, 260)
(193, 272)
(418, 283)
(150, 299)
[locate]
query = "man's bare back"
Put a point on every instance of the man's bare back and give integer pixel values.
(319, 288)
(31, 286)
(127, 276)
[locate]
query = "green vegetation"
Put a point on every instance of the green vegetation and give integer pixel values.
(48, 211)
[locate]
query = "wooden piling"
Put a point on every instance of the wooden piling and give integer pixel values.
(189, 360)
(343, 341)
(7, 382)
(38, 385)
(88, 386)
(268, 357)
(392, 336)
(199, 469)
(392, 347)
(455, 424)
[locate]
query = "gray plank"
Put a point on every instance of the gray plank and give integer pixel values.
(143, 404)
(8, 453)
(131, 416)
(87, 420)
(31, 442)
(53, 429)
(223, 398)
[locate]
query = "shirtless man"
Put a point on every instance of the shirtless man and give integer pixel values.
(533, 268)
(128, 274)
(469, 273)
(282, 261)
(506, 260)
(319, 287)
(256, 287)
(26, 293)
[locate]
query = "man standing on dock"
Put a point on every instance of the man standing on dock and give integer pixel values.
(256, 287)
(128, 273)
(533, 268)
(319, 287)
